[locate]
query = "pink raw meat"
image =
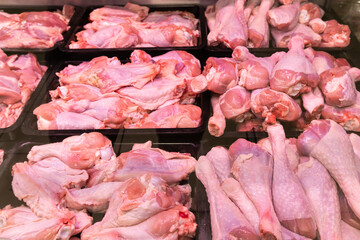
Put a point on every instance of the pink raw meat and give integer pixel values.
(285, 17)
(217, 122)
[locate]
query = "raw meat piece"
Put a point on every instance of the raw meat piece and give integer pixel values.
(288, 235)
(219, 158)
(172, 116)
(237, 194)
(109, 74)
(317, 25)
(291, 204)
(348, 117)
(15, 216)
(250, 5)
(178, 18)
(139, 199)
(347, 214)
(42, 185)
(217, 122)
(235, 103)
(309, 11)
(175, 223)
(322, 61)
(76, 91)
(349, 232)
(258, 28)
(321, 191)
(221, 73)
(285, 17)
(311, 39)
(229, 26)
(294, 73)
(355, 142)
(165, 89)
(227, 221)
(78, 152)
(338, 87)
(171, 166)
(320, 141)
(93, 199)
(26, 225)
(252, 167)
(33, 30)
(335, 35)
(253, 124)
(272, 105)
(313, 103)
(255, 71)
(83, 221)
(111, 13)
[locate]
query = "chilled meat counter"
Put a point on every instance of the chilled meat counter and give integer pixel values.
(211, 119)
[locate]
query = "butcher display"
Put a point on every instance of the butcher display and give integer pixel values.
(133, 26)
(281, 197)
(296, 87)
(32, 29)
(148, 92)
(234, 23)
(19, 76)
(55, 183)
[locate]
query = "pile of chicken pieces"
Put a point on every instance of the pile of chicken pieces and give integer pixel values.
(33, 29)
(148, 92)
(63, 182)
(297, 87)
(287, 189)
(20, 76)
(232, 23)
(133, 26)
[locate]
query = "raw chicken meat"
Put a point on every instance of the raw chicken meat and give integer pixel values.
(272, 105)
(165, 89)
(338, 87)
(348, 117)
(285, 17)
(21, 223)
(19, 75)
(335, 35)
(172, 116)
(219, 158)
(227, 221)
(252, 167)
(347, 214)
(313, 103)
(42, 185)
(237, 194)
(93, 199)
(348, 232)
(32, 29)
(221, 74)
(175, 223)
(227, 23)
(255, 71)
(217, 122)
(131, 26)
(253, 124)
(258, 28)
(250, 5)
(235, 103)
(317, 25)
(78, 152)
(109, 74)
(288, 235)
(291, 204)
(309, 11)
(139, 199)
(311, 38)
(294, 73)
(171, 166)
(321, 141)
(321, 191)
(322, 61)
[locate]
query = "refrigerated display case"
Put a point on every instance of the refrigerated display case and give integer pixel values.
(18, 139)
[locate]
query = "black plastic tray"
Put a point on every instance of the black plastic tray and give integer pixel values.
(72, 23)
(9, 132)
(19, 151)
(329, 14)
(29, 126)
(197, 10)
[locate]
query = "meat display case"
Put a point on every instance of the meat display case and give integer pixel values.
(18, 140)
